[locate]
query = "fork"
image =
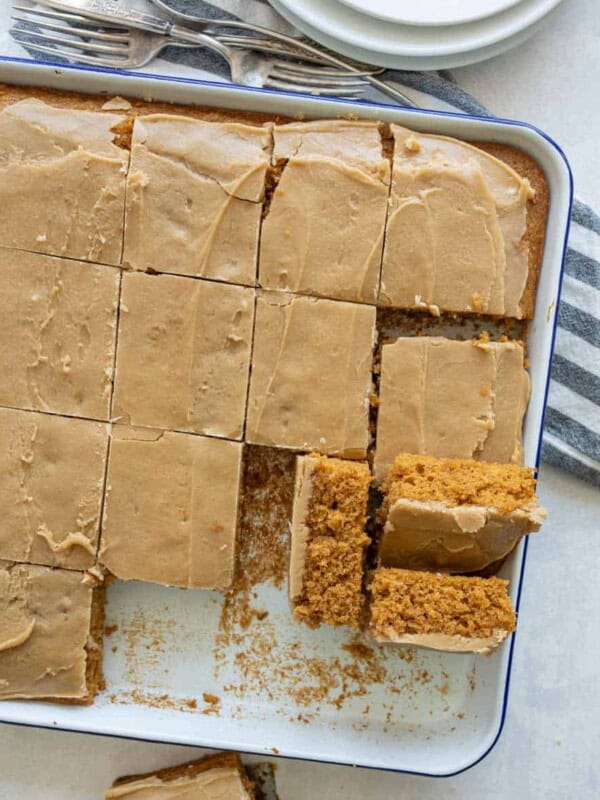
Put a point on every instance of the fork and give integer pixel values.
(306, 46)
(80, 39)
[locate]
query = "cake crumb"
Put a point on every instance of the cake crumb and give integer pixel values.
(213, 704)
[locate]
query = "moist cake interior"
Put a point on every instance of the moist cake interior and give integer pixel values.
(334, 524)
(454, 482)
(410, 602)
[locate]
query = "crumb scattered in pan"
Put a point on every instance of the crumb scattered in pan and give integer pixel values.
(213, 704)
(110, 629)
(154, 700)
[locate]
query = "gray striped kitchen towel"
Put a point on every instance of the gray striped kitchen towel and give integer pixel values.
(572, 428)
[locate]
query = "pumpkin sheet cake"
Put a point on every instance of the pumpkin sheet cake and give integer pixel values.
(179, 282)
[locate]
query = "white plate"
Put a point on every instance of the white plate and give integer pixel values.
(164, 644)
(430, 12)
(401, 62)
(349, 26)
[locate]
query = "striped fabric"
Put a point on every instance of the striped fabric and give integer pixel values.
(572, 429)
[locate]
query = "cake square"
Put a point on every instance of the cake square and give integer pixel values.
(451, 399)
(51, 634)
(311, 374)
(221, 777)
(57, 345)
(455, 515)
(456, 235)
(440, 612)
(51, 483)
(183, 357)
(194, 197)
(62, 181)
(328, 540)
(171, 508)
(323, 232)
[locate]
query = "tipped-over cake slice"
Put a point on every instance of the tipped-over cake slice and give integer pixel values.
(219, 777)
(441, 612)
(455, 515)
(328, 540)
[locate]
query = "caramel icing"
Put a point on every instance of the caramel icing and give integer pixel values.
(511, 390)
(323, 234)
(450, 643)
(299, 529)
(59, 327)
(171, 508)
(466, 538)
(44, 627)
(194, 197)
(218, 783)
(456, 228)
(62, 182)
(451, 399)
(51, 483)
(184, 354)
(311, 374)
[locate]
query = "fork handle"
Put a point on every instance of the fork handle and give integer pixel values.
(190, 36)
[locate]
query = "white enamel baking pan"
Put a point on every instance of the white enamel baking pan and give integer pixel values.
(439, 724)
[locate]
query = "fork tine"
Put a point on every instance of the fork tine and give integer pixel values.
(273, 83)
(66, 16)
(78, 44)
(75, 57)
(315, 81)
(98, 34)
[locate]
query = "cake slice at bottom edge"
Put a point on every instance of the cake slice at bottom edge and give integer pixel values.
(441, 612)
(221, 776)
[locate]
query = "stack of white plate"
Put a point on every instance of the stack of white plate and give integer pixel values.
(417, 34)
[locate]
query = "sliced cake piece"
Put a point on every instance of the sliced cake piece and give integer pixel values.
(218, 777)
(440, 612)
(194, 197)
(57, 343)
(50, 634)
(328, 540)
(183, 359)
(323, 233)
(455, 515)
(451, 399)
(62, 181)
(171, 508)
(458, 234)
(311, 375)
(51, 486)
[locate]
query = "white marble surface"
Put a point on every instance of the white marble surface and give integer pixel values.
(550, 747)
